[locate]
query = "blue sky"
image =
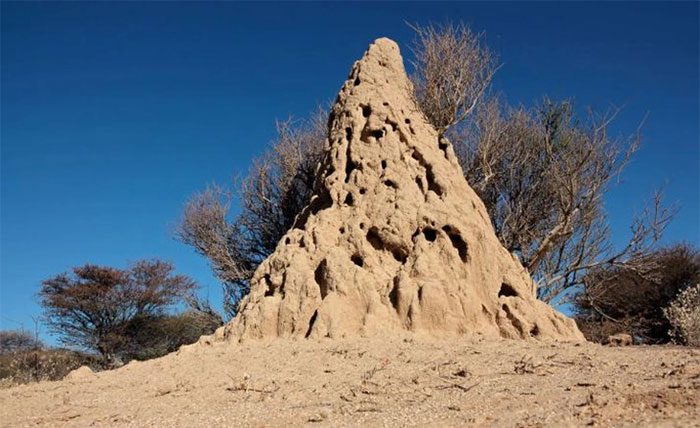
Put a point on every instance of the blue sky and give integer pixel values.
(113, 114)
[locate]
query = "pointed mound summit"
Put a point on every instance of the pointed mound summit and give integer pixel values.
(394, 238)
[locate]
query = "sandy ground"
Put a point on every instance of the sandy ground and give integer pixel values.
(411, 381)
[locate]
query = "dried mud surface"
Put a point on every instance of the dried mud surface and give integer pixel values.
(400, 381)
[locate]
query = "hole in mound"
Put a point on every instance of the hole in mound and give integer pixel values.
(430, 234)
(302, 244)
(366, 111)
(350, 166)
(416, 233)
(507, 290)
(341, 230)
(442, 144)
(419, 182)
(394, 295)
(429, 175)
(363, 191)
(362, 226)
(384, 164)
(535, 331)
(320, 202)
(408, 121)
(513, 319)
(312, 321)
(348, 199)
(357, 259)
(357, 81)
(374, 239)
(432, 185)
(457, 242)
(348, 134)
(420, 294)
(270, 287)
(320, 277)
(390, 183)
(287, 241)
(377, 133)
(399, 255)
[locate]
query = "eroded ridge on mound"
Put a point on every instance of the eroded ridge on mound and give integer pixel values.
(394, 238)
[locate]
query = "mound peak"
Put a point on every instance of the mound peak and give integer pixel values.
(394, 239)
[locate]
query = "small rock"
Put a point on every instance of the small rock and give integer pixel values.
(620, 339)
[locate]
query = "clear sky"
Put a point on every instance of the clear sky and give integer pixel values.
(113, 114)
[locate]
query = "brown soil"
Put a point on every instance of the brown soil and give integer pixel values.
(411, 381)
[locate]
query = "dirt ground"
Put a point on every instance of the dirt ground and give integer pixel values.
(409, 381)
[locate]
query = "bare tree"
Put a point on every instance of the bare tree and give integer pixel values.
(277, 188)
(542, 174)
(453, 69)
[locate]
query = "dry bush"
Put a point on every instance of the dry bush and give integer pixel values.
(18, 340)
(631, 298)
(154, 336)
(278, 186)
(684, 316)
(453, 69)
(41, 365)
(90, 307)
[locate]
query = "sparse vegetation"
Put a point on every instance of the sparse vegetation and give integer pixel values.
(122, 314)
(18, 341)
(149, 337)
(684, 316)
(24, 358)
(632, 298)
(42, 364)
(453, 70)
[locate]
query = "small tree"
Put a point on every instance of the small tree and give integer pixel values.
(89, 307)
